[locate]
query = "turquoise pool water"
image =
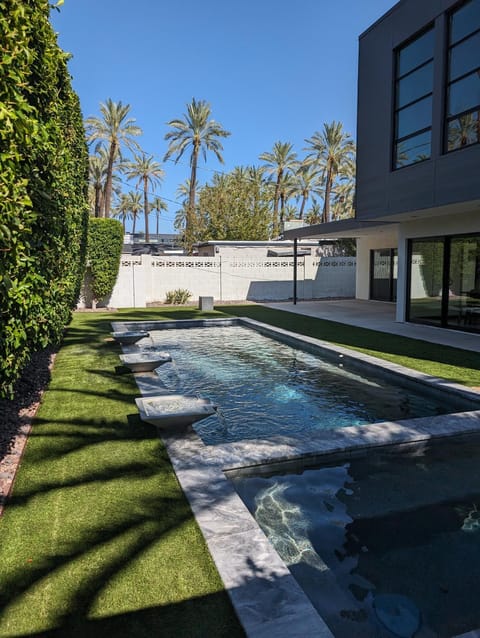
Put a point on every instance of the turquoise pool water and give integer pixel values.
(384, 545)
(266, 388)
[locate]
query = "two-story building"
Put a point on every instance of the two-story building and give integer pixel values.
(418, 164)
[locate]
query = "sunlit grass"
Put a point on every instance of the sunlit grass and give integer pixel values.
(98, 537)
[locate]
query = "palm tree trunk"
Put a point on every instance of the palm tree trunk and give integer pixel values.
(108, 183)
(145, 207)
(276, 199)
(98, 195)
(326, 201)
(282, 207)
(158, 217)
(304, 202)
(191, 200)
(134, 223)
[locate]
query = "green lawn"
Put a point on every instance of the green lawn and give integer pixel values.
(98, 538)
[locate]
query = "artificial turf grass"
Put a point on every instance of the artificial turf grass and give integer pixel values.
(433, 359)
(98, 536)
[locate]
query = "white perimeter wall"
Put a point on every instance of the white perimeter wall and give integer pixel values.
(145, 279)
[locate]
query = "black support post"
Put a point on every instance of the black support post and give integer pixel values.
(295, 258)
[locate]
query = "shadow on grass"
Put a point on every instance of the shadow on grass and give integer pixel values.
(194, 618)
(131, 528)
(97, 523)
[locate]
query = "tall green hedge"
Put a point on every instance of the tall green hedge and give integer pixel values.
(43, 187)
(105, 242)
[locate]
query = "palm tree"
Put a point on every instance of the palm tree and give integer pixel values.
(149, 173)
(279, 162)
(305, 182)
(158, 204)
(97, 172)
(314, 213)
(328, 151)
(112, 130)
(200, 134)
(123, 210)
(131, 205)
(344, 191)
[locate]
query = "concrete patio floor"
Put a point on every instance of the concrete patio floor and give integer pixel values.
(378, 315)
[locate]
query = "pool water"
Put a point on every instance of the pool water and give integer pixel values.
(384, 545)
(266, 388)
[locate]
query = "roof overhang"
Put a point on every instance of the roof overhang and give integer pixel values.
(342, 228)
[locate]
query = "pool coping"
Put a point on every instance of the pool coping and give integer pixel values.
(267, 599)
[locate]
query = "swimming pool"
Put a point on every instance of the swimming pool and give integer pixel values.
(384, 545)
(265, 595)
(266, 388)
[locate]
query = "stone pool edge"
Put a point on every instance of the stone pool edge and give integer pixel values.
(266, 597)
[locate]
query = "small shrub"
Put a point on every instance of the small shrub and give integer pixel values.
(178, 296)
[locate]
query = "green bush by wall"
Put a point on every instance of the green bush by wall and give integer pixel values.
(105, 242)
(43, 187)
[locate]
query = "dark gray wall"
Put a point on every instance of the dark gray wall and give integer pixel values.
(445, 178)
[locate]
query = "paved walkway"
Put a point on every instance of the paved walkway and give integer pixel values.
(379, 315)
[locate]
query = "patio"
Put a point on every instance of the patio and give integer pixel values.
(378, 315)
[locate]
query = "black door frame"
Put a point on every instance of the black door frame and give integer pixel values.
(392, 296)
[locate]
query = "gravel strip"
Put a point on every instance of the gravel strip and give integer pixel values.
(17, 414)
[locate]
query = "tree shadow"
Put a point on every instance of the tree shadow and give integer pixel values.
(147, 515)
(200, 617)
(106, 484)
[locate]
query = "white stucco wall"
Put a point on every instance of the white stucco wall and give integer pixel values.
(146, 279)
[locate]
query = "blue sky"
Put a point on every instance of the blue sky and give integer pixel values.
(271, 69)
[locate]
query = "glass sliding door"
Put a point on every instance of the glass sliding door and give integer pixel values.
(383, 274)
(464, 283)
(426, 281)
(444, 282)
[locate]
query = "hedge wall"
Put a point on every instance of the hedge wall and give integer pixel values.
(43, 187)
(105, 242)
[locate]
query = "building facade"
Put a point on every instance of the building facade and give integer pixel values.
(418, 163)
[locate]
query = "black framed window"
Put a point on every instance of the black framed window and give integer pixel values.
(413, 100)
(463, 86)
(444, 281)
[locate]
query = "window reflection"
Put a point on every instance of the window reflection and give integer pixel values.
(465, 21)
(464, 279)
(464, 130)
(415, 117)
(464, 57)
(413, 101)
(464, 94)
(413, 54)
(415, 85)
(426, 277)
(464, 77)
(450, 298)
(414, 149)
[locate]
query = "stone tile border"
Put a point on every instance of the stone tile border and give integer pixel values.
(266, 597)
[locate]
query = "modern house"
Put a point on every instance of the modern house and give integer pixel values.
(417, 218)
